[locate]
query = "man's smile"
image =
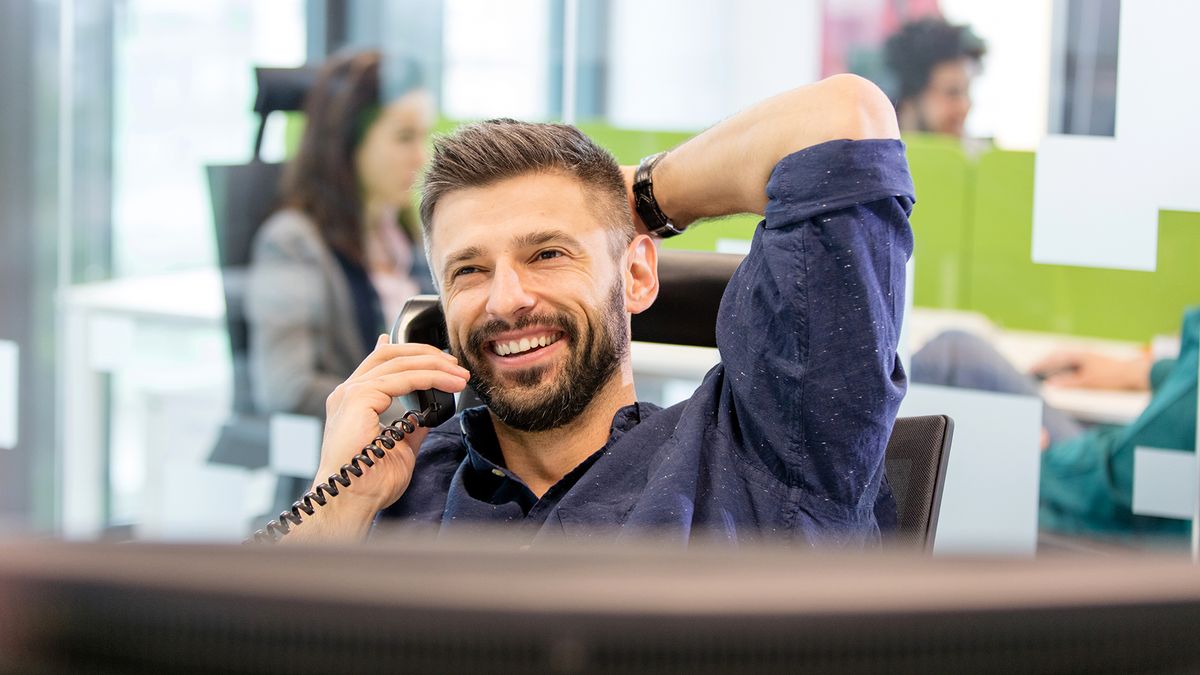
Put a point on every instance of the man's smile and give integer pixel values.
(528, 347)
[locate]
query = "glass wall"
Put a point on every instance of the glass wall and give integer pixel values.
(149, 95)
(182, 99)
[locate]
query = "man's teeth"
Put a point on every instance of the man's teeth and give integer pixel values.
(523, 345)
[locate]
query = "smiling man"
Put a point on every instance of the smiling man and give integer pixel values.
(543, 248)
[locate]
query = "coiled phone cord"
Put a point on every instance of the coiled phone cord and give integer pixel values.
(307, 504)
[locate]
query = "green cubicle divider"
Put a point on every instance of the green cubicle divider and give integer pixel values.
(943, 179)
(629, 146)
(973, 225)
(1015, 292)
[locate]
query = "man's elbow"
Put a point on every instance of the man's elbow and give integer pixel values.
(861, 109)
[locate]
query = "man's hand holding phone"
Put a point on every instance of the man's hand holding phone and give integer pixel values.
(353, 421)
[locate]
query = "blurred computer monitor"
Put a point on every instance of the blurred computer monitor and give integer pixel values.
(462, 606)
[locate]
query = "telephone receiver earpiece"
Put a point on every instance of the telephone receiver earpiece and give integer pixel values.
(435, 406)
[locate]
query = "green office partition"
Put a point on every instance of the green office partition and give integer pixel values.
(629, 146)
(1015, 292)
(942, 177)
(293, 131)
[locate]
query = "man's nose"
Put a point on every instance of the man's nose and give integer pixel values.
(508, 297)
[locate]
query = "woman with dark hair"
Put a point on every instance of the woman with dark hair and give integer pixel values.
(334, 265)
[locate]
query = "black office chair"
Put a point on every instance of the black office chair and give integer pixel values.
(915, 463)
(243, 196)
(917, 452)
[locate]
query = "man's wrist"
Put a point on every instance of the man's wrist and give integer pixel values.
(356, 502)
(345, 517)
(647, 202)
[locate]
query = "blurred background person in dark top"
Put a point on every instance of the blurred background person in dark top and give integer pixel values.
(333, 266)
(932, 64)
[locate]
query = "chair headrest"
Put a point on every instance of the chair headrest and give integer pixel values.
(691, 284)
(282, 89)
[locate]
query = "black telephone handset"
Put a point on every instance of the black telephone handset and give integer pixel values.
(434, 407)
(438, 404)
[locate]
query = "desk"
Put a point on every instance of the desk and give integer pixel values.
(170, 329)
(1025, 348)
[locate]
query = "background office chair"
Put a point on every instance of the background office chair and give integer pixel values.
(243, 196)
(691, 284)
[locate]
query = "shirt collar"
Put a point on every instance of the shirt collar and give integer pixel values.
(486, 472)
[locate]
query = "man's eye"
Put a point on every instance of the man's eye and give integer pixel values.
(464, 270)
(549, 254)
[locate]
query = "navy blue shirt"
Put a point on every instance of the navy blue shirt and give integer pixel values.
(785, 437)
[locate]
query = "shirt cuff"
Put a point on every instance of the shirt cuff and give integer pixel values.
(836, 175)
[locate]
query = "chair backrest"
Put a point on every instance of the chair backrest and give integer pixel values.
(691, 285)
(917, 453)
(243, 196)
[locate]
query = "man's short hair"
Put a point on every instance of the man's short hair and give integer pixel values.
(919, 46)
(480, 154)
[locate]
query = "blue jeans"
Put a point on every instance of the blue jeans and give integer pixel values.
(958, 359)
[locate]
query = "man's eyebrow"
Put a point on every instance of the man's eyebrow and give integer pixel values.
(459, 256)
(533, 239)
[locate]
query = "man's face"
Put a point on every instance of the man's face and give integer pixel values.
(946, 100)
(534, 300)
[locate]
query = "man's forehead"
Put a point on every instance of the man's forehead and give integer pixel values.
(515, 213)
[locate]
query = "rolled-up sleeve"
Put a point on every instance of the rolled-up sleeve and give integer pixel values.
(809, 324)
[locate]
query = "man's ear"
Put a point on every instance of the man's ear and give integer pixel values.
(641, 274)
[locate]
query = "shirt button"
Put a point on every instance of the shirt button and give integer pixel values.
(498, 472)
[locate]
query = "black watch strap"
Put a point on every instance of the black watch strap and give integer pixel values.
(646, 205)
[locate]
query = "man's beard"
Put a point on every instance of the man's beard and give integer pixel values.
(596, 354)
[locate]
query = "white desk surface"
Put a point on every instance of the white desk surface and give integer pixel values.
(195, 295)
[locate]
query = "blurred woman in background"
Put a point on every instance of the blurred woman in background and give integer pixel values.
(334, 265)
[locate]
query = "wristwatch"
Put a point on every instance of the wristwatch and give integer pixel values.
(646, 205)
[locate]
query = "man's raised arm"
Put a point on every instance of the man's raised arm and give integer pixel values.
(809, 324)
(724, 170)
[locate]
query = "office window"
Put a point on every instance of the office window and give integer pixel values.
(148, 355)
(1084, 71)
(496, 59)
(182, 98)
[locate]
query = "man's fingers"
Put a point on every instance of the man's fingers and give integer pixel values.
(399, 384)
(376, 393)
(384, 351)
(401, 364)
